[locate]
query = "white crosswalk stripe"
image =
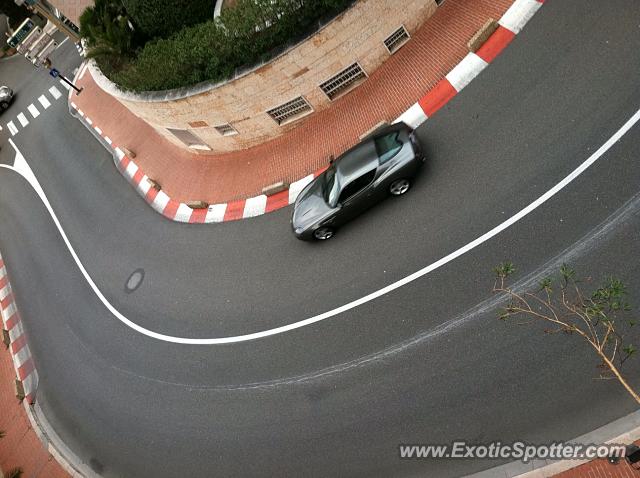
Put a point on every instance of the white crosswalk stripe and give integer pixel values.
(33, 110)
(44, 101)
(12, 128)
(23, 120)
(65, 85)
(55, 92)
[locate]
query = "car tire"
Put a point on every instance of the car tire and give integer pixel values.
(323, 233)
(399, 187)
(4, 105)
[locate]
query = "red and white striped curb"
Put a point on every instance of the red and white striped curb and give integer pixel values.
(20, 353)
(471, 65)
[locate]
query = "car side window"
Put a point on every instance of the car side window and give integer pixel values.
(388, 146)
(357, 185)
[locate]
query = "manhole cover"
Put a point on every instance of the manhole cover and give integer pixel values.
(134, 280)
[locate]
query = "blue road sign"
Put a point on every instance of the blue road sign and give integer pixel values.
(53, 72)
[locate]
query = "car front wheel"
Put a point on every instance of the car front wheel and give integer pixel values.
(4, 105)
(399, 187)
(323, 233)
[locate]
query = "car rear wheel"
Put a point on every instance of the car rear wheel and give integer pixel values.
(323, 233)
(399, 187)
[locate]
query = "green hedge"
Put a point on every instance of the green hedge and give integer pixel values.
(163, 18)
(251, 32)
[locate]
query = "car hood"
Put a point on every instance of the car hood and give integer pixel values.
(5, 92)
(310, 207)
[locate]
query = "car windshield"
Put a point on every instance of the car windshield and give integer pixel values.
(331, 187)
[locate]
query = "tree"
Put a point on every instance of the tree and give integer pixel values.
(108, 32)
(163, 18)
(597, 318)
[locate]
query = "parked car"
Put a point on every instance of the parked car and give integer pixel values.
(6, 97)
(383, 164)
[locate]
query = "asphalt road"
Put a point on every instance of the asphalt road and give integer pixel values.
(428, 363)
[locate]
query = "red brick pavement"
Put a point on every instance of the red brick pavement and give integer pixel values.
(601, 469)
(434, 50)
(20, 446)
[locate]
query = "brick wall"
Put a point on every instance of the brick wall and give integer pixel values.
(356, 35)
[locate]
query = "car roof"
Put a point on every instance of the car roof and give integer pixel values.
(357, 161)
(363, 157)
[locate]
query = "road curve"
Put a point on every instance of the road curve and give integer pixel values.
(337, 397)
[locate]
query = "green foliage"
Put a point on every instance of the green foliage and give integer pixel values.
(504, 270)
(163, 18)
(251, 32)
(110, 39)
(17, 14)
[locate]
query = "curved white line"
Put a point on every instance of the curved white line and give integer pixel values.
(21, 167)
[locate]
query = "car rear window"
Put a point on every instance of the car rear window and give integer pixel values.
(388, 146)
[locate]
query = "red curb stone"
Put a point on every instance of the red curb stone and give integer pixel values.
(277, 201)
(198, 216)
(171, 208)
(21, 447)
(495, 44)
(234, 211)
(438, 97)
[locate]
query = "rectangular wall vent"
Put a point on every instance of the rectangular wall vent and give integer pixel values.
(398, 38)
(226, 129)
(189, 139)
(344, 81)
(290, 111)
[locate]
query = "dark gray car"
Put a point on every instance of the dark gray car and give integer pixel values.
(381, 165)
(6, 97)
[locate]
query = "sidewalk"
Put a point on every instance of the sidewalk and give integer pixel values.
(434, 50)
(20, 446)
(601, 469)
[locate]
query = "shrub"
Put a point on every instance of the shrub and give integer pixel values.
(251, 32)
(163, 18)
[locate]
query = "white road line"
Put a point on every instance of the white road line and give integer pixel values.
(21, 167)
(23, 120)
(62, 42)
(55, 92)
(44, 101)
(12, 128)
(33, 110)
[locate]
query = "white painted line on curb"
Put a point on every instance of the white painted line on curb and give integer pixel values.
(255, 206)
(12, 128)
(55, 92)
(22, 167)
(296, 187)
(216, 213)
(183, 213)
(518, 14)
(33, 110)
(465, 71)
(44, 101)
(23, 120)
(414, 116)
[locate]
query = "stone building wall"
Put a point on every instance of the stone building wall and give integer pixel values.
(357, 35)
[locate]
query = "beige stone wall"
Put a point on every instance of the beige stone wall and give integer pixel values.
(356, 35)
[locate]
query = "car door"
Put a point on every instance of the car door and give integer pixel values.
(356, 196)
